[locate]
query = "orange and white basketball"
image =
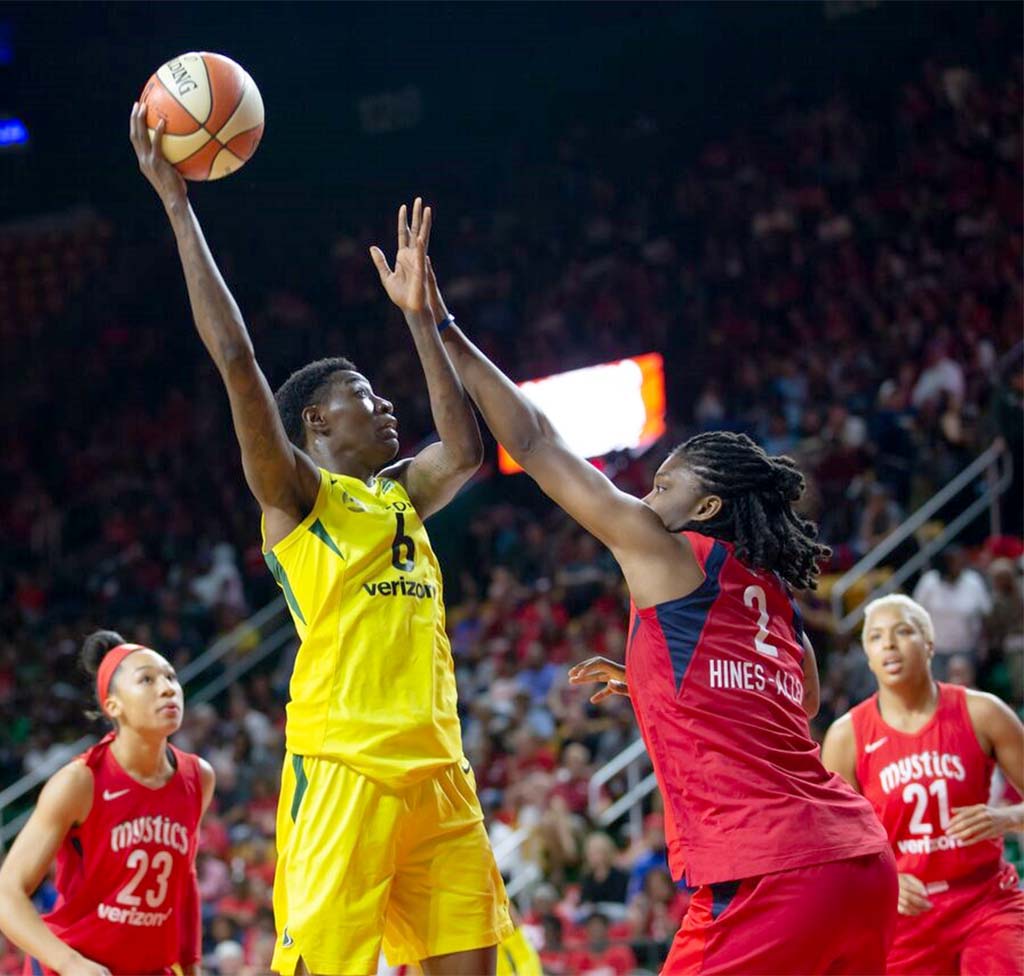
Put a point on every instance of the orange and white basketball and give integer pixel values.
(214, 114)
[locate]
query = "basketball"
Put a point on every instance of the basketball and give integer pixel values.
(213, 112)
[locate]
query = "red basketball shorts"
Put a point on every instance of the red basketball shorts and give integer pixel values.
(837, 917)
(975, 928)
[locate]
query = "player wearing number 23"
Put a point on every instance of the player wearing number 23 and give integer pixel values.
(923, 753)
(380, 835)
(122, 822)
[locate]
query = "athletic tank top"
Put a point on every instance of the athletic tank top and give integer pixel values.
(374, 681)
(915, 780)
(716, 680)
(126, 875)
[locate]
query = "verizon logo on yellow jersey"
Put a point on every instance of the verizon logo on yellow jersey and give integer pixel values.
(400, 587)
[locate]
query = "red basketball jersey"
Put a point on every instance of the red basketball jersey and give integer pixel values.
(126, 875)
(915, 780)
(717, 679)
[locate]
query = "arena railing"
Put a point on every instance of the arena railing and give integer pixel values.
(274, 627)
(989, 474)
(634, 762)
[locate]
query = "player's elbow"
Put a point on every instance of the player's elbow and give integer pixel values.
(11, 889)
(471, 456)
(533, 439)
(235, 357)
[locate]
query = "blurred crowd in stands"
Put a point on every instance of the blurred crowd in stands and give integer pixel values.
(842, 283)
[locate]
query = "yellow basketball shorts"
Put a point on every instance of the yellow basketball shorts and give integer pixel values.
(516, 957)
(360, 866)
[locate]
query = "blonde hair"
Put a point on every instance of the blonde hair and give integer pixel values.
(911, 609)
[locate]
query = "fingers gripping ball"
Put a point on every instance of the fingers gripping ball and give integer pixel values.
(213, 111)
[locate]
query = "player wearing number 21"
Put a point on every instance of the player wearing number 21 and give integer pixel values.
(923, 753)
(380, 835)
(122, 820)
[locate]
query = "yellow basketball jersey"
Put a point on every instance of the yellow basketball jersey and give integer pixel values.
(374, 681)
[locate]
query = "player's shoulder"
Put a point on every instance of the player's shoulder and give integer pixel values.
(395, 472)
(390, 483)
(207, 776)
(76, 774)
(986, 707)
(203, 770)
(350, 492)
(702, 546)
(70, 789)
(841, 732)
(851, 728)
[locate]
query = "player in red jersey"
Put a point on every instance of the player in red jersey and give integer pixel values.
(122, 820)
(923, 753)
(721, 679)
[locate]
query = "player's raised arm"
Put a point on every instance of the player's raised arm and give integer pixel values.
(281, 476)
(434, 475)
(630, 528)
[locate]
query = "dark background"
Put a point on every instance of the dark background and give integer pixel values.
(496, 83)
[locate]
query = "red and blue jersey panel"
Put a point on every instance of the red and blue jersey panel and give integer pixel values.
(716, 680)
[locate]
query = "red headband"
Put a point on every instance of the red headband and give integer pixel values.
(110, 663)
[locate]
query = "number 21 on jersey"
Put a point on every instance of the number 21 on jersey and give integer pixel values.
(915, 793)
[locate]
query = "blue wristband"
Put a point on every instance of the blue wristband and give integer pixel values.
(449, 319)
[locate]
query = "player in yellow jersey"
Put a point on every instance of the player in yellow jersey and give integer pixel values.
(380, 835)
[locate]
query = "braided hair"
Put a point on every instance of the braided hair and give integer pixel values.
(757, 516)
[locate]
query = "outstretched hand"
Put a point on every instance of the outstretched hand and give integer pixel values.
(163, 177)
(600, 669)
(405, 285)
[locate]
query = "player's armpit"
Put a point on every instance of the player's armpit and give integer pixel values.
(432, 478)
